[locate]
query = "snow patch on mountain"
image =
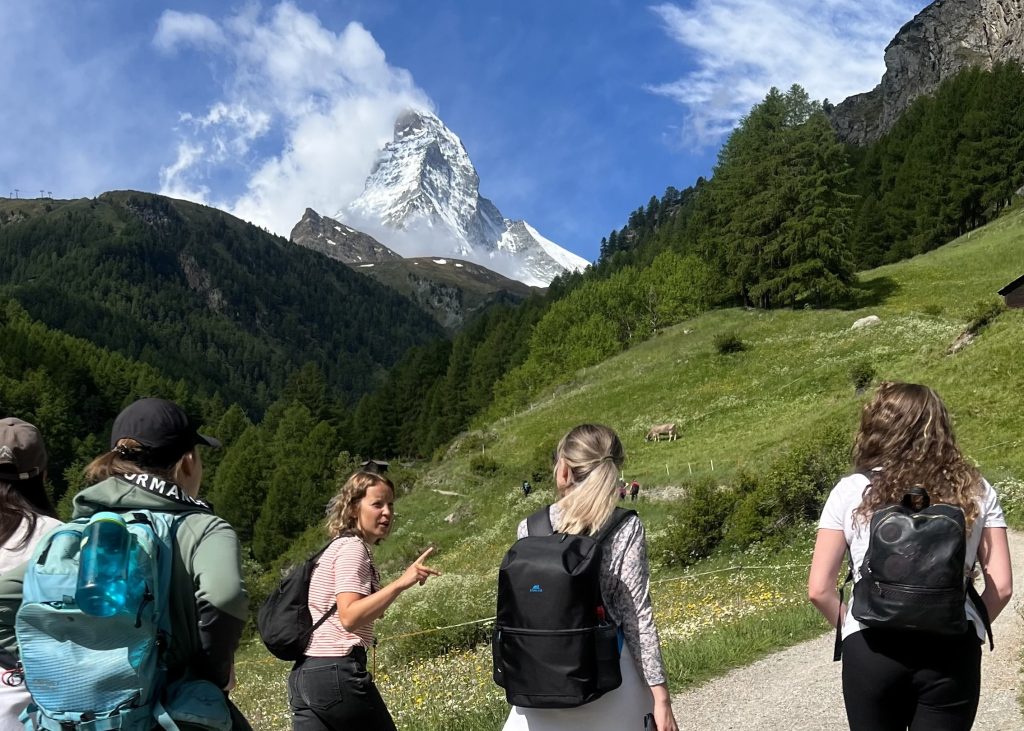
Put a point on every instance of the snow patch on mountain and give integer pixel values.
(422, 198)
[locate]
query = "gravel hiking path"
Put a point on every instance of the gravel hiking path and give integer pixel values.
(799, 689)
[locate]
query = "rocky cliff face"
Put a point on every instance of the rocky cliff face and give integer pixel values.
(339, 241)
(943, 39)
(449, 290)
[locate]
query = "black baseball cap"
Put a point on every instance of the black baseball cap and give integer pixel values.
(161, 426)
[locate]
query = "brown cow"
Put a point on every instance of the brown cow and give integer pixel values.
(656, 432)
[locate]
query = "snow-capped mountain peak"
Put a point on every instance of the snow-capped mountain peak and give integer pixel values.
(422, 197)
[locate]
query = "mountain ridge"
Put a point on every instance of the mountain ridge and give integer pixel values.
(202, 295)
(451, 291)
(318, 233)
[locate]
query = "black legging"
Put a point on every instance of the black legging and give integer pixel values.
(894, 681)
(336, 694)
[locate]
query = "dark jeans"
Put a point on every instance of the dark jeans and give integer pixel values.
(336, 694)
(894, 681)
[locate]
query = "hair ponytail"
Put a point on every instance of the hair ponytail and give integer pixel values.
(594, 455)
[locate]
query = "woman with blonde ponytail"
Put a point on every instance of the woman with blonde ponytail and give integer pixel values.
(586, 472)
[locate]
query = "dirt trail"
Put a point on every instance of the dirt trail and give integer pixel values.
(799, 689)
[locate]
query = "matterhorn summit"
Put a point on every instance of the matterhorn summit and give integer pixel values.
(422, 198)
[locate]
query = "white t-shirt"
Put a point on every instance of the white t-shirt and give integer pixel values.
(14, 698)
(838, 515)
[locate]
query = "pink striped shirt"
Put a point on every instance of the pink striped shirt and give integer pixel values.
(346, 566)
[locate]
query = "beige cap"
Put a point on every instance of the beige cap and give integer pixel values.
(22, 453)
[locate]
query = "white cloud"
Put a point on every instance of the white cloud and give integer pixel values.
(180, 29)
(302, 115)
(741, 48)
(172, 182)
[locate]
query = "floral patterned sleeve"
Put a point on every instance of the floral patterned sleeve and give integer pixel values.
(626, 587)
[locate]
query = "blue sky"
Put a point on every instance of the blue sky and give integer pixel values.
(574, 112)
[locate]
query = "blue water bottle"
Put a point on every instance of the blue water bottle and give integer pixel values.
(103, 563)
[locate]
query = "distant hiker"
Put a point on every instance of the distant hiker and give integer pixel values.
(25, 515)
(634, 490)
(587, 464)
(622, 489)
(527, 488)
(330, 689)
(911, 635)
(151, 476)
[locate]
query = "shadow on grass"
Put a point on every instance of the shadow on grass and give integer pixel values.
(872, 293)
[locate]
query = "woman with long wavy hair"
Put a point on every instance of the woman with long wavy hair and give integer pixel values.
(330, 688)
(896, 679)
(586, 472)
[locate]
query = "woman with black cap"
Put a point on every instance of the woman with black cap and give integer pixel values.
(153, 464)
(26, 514)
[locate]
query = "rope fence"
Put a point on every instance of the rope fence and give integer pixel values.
(683, 577)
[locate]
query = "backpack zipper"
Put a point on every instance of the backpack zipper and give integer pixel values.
(574, 631)
(912, 589)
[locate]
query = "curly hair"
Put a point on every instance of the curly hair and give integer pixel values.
(342, 509)
(907, 432)
(594, 454)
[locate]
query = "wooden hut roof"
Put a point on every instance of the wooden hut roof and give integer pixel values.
(1012, 285)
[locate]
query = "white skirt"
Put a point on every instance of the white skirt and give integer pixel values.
(622, 709)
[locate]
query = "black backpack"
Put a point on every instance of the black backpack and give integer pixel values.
(553, 644)
(284, 622)
(912, 577)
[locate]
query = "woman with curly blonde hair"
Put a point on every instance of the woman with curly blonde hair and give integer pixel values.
(896, 679)
(330, 687)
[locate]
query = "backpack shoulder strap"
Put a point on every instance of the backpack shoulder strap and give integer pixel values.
(334, 607)
(837, 653)
(539, 523)
(617, 518)
(975, 598)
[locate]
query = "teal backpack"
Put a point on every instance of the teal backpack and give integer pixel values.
(89, 673)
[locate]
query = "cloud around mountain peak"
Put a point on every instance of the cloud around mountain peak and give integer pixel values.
(302, 111)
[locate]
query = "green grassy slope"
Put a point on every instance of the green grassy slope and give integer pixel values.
(739, 410)
(736, 411)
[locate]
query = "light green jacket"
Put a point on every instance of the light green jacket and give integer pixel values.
(208, 602)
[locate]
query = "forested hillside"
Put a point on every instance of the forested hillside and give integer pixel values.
(276, 475)
(73, 389)
(202, 296)
(786, 220)
(206, 309)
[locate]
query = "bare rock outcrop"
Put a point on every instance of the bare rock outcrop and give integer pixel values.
(338, 241)
(943, 39)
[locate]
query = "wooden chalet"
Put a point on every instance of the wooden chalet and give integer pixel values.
(1013, 293)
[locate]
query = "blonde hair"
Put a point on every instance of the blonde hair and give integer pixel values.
(342, 510)
(129, 457)
(906, 431)
(594, 455)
